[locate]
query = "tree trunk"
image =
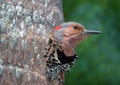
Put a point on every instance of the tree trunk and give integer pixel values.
(24, 28)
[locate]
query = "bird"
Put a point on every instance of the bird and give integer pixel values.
(60, 50)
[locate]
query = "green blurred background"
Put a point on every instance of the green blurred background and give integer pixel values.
(99, 55)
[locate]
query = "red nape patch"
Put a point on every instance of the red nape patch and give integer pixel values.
(57, 27)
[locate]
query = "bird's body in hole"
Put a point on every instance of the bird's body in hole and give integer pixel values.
(60, 51)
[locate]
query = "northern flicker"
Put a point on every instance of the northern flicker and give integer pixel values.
(60, 51)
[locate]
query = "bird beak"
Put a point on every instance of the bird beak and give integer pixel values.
(89, 32)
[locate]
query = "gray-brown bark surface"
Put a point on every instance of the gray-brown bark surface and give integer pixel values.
(24, 25)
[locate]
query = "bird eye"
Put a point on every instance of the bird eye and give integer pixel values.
(75, 27)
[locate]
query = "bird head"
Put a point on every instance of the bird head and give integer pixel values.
(70, 34)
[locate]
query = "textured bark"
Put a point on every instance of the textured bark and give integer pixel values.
(24, 28)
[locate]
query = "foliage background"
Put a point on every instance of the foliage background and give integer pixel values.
(99, 56)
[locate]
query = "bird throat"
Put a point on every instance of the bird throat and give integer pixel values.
(63, 58)
(68, 51)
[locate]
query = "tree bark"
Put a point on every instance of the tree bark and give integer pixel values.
(24, 28)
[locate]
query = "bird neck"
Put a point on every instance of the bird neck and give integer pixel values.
(67, 50)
